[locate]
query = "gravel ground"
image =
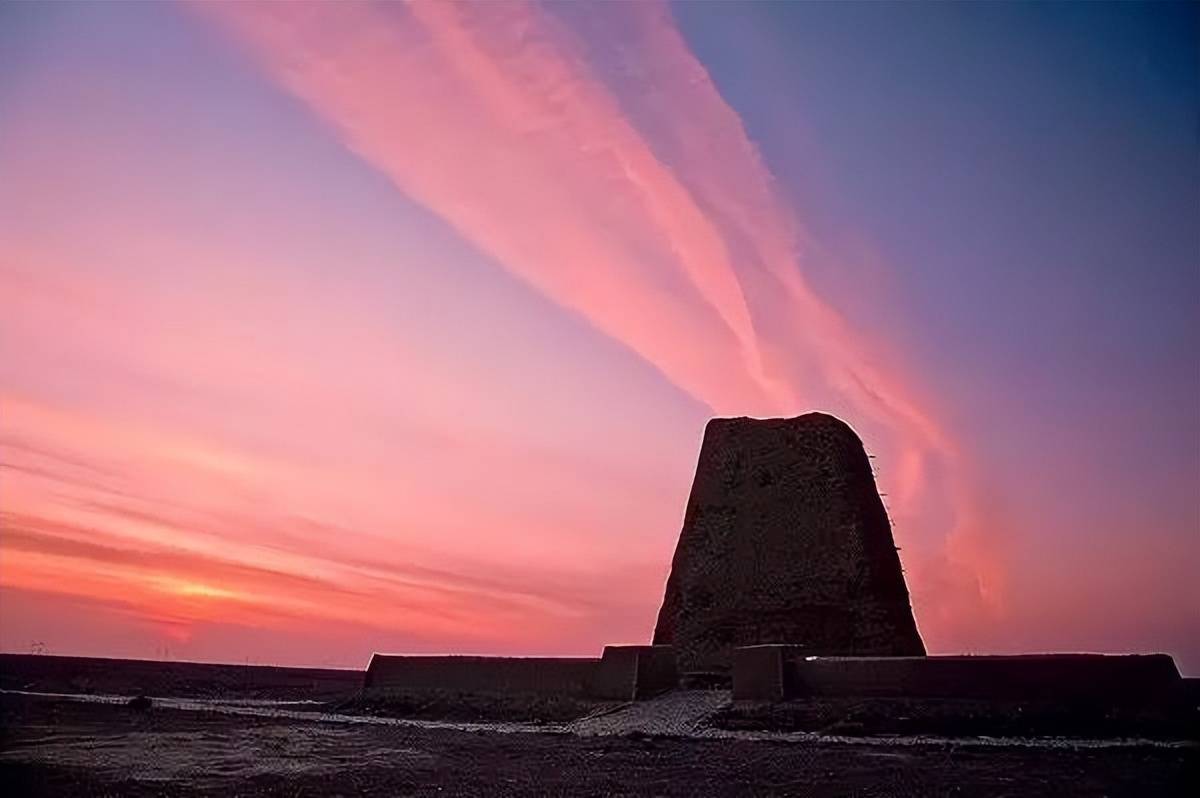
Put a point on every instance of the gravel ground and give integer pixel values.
(55, 747)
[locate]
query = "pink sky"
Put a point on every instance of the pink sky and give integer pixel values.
(332, 329)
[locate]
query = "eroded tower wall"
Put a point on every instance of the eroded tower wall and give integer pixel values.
(785, 540)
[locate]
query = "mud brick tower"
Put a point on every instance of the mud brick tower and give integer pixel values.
(785, 540)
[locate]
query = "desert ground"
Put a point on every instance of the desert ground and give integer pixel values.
(231, 730)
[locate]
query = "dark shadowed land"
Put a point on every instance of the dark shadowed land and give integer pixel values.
(97, 675)
(244, 735)
(61, 748)
(870, 715)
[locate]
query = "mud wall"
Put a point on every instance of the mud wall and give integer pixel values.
(1038, 676)
(773, 672)
(481, 674)
(631, 672)
(623, 673)
(55, 674)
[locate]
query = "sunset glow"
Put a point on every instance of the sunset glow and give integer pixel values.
(336, 328)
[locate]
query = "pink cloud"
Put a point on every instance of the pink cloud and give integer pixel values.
(490, 116)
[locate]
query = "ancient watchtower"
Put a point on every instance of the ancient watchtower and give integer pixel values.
(785, 540)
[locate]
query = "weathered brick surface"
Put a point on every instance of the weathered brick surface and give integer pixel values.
(785, 540)
(626, 673)
(1112, 678)
(563, 675)
(623, 673)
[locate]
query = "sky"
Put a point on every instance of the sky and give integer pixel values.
(331, 329)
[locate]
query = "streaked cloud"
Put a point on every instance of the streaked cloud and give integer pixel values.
(331, 328)
(642, 206)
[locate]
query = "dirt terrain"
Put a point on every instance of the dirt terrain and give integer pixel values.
(56, 747)
(859, 716)
(52, 674)
(232, 730)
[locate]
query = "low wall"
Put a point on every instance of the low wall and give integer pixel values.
(623, 673)
(1189, 688)
(60, 674)
(481, 674)
(761, 673)
(626, 673)
(770, 672)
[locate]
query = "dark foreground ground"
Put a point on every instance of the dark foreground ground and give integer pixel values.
(863, 716)
(54, 747)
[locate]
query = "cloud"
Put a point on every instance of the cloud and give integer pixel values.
(160, 581)
(107, 517)
(623, 187)
(480, 113)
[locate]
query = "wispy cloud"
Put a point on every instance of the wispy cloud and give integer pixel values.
(485, 115)
(639, 203)
(137, 519)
